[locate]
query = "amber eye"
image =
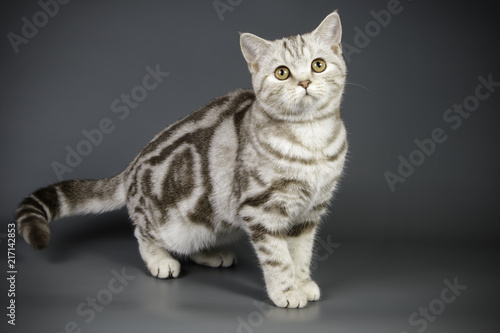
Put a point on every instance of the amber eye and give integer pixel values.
(282, 73)
(318, 65)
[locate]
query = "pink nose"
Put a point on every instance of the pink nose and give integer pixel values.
(305, 84)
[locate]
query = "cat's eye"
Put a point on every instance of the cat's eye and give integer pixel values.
(282, 73)
(318, 65)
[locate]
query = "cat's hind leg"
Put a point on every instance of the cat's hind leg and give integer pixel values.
(214, 258)
(217, 255)
(158, 261)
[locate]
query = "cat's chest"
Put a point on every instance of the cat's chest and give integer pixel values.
(316, 162)
(317, 180)
(306, 143)
(302, 189)
(298, 163)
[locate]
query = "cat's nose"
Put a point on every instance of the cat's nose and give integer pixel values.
(305, 83)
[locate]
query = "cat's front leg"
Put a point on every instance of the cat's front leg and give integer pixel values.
(272, 250)
(300, 243)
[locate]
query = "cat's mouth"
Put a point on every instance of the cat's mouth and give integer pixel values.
(304, 93)
(307, 95)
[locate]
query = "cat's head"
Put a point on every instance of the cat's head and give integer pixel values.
(300, 76)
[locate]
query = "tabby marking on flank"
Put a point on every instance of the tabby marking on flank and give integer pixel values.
(261, 162)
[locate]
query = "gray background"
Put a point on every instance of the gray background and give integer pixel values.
(393, 249)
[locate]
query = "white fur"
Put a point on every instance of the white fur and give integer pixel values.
(288, 133)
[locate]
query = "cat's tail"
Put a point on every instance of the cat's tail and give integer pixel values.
(66, 198)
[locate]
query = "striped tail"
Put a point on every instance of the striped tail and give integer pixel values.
(66, 198)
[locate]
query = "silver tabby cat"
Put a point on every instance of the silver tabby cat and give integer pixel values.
(261, 162)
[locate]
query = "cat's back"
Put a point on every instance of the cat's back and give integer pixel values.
(195, 128)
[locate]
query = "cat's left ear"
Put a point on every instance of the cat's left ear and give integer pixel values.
(330, 31)
(252, 48)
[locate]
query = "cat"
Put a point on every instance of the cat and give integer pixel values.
(262, 162)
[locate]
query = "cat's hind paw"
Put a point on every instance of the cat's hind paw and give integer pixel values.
(222, 258)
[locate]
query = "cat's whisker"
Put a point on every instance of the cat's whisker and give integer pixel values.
(358, 85)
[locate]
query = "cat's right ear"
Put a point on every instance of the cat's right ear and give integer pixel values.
(252, 48)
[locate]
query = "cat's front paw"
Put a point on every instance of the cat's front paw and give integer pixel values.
(167, 268)
(295, 298)
(311, 289)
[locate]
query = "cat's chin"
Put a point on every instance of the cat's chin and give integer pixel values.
(310, 107)
(307, 102)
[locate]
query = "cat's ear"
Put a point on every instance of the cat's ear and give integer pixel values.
(330, 30)
(252, 48)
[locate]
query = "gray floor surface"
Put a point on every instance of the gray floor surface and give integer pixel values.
(367, 286)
